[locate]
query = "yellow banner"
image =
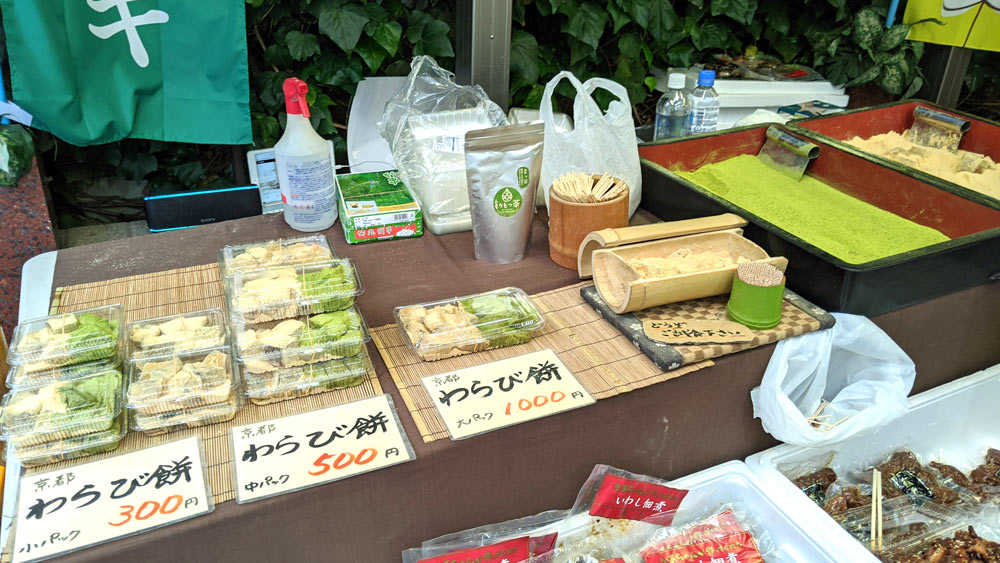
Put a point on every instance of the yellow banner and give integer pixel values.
(967, 23)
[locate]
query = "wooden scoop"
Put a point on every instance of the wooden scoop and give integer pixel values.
(610, 238)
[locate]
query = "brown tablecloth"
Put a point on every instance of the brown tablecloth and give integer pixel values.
(667, 430)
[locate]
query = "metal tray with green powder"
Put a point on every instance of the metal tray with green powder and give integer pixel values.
(859, 237)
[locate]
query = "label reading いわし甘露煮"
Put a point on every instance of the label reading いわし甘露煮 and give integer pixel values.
(618, 497)
(507, 202)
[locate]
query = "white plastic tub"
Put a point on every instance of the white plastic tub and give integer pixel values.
(442, 189)
(954, 423)
(739, 98)
(795, 539)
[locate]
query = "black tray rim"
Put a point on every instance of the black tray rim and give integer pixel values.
(869, 266)
(925, 177)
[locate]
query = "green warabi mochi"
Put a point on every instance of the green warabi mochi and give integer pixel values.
(842, 225)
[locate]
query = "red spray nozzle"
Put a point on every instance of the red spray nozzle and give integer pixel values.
(295, 96)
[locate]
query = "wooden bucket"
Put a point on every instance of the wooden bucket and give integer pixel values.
(570, 222)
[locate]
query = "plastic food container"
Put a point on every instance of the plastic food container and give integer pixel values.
(164, 422)
(271, 294)
(733, 482)
(969, 259)
(710, 491)
(290, 383)
(182, 381)
(930, 429)
(300, 341)
(198, 330)
(71, 448)
(280, 252)
(453, 327)
(61, 410)
(436, 173)
(67, 339)
(18, 377)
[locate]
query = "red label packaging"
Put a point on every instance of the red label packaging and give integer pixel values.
(514, 551)
(737, 548)
(618, 497)
(719, 526)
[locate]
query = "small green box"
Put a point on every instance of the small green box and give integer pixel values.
(377, 206)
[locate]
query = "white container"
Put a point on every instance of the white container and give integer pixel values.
(794, 539)
(304, 162)
(709, 492)
(954, 423)
(443, 191)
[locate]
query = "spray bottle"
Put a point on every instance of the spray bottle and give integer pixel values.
(305, 166)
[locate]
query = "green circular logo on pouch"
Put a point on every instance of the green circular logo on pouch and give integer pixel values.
(507, 202)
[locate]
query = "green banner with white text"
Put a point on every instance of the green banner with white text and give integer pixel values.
(96, 71)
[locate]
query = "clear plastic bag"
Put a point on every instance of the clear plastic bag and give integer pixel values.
(614, 515)
(599, 143)
(425, 125)
(538, 529)
(731, 534)
(857, 368)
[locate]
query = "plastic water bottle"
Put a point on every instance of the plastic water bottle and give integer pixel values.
(304, 164)
(673, 111)
(704, 104)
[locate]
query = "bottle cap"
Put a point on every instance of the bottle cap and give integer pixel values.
(706, 78)
(295, 96)
(676, 81)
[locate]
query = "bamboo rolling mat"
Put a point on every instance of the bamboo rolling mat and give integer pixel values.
(180, 291)
(605, 361)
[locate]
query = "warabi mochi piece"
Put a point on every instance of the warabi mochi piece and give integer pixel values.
(172, 326)
(65, 323)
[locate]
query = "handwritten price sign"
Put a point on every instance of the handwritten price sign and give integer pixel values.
(69, 509)
(304, 450)
(475, 400)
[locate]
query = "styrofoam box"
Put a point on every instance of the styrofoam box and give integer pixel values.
(739, 98)
(733, 482)
(954, 423)
(750, 87)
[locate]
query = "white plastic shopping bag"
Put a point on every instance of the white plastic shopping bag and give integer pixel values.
(598, 143)
(856, 367)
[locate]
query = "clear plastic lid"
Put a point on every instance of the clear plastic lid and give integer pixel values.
(181, 381)
(300, 341)
(302, 381)
(70, 338)
(452, 327)
(61, 410)
(18, 377)
(161, 423)
(104, 441)
(283, 292)
(280, 252)
(162, 336)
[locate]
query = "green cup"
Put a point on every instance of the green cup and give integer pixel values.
(756, 307)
